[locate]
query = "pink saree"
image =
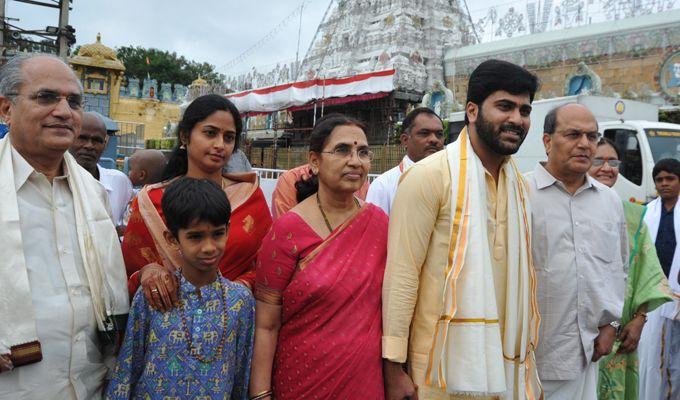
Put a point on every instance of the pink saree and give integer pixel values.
(330, 293)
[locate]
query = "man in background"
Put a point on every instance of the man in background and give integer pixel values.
(659, 346)
(423, 135)
(87, 148)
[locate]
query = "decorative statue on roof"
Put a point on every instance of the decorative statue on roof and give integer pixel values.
(180, 92)
(583, 81)
(166, 92)
(440, 99)
(150, 89)
(133, 87)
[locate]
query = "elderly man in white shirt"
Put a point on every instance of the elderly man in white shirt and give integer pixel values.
(63, 292)
(580, 253)
(87, 148)
(423, 134)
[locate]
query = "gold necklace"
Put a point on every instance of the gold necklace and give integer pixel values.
(190, 343)
(323, 214)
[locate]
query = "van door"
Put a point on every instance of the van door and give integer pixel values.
(629, 185)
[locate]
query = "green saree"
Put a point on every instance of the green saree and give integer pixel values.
(618, 378)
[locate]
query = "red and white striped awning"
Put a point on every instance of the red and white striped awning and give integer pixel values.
(296, 94)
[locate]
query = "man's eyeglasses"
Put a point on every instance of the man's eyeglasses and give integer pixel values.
(574, 135)
(598, 162)
(48, 98)
(365, 155)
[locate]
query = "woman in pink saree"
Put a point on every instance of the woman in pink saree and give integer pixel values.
(319, 281)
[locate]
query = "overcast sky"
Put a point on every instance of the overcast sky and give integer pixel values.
(215, 31)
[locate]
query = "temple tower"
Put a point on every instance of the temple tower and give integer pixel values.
(101, 72)
(358, 36)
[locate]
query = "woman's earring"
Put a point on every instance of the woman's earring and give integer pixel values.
(182, 147)
(315, 171)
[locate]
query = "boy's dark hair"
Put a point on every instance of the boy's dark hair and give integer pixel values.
(494, 75)
(670, 165)
(188, 200)
(408, 121)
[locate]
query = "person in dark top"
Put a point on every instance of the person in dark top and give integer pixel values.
(666, 175)
(659, 346)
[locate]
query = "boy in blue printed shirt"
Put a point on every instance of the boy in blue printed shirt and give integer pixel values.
(201, 349)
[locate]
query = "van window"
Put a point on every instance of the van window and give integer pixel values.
(664, 143)
(629, 150)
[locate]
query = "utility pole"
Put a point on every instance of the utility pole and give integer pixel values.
(63, 21)
(2, 25)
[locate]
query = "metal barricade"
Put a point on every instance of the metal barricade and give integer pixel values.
(130, 137)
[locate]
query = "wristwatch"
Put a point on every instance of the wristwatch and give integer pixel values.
(616, 325)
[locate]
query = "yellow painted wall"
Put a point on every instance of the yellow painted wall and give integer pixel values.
(627, 73)
(154, 114)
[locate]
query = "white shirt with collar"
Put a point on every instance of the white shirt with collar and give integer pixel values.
(580, 253)
(73, 365)
(384, 187)
(119, 189)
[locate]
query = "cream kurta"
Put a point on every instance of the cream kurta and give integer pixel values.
(72, 365)
(419, 239)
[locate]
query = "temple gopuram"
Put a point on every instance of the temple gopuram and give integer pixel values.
(141, 111)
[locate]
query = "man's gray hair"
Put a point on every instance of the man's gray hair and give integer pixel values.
(550, 122)
(11, 76)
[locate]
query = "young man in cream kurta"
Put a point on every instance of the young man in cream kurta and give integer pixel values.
(420, 251)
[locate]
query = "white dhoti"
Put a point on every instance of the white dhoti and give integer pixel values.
(649, 353)
(582, 388)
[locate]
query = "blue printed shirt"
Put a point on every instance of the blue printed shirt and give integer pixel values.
(155, 362)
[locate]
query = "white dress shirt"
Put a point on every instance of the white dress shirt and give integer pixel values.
(580, 252)
(384, 188)
(119, 189)
(72, 366)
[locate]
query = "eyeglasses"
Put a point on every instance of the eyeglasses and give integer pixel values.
(598, 162)
(365, 155)
(575, 135)
(48, 98)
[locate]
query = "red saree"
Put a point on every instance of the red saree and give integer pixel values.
(330, 291)
(250, 220)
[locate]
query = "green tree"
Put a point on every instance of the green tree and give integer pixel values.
(165, 66)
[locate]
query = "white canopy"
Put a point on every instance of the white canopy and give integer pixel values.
(281, 97)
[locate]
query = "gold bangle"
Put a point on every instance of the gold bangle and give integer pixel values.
(262, 395)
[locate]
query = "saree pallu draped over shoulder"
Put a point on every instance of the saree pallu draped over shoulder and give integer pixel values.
(250, 220)
(330, 293)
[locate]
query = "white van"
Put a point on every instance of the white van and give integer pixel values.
(632, 125)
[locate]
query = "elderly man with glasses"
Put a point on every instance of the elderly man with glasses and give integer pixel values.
(580, 254)
(62, 280)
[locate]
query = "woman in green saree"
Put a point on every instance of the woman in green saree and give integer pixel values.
(646, 289)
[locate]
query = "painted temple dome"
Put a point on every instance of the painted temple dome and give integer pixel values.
(97, 55)
(199, 82)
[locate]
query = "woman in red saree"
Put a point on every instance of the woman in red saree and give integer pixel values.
(319, 281)
(208, 133)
